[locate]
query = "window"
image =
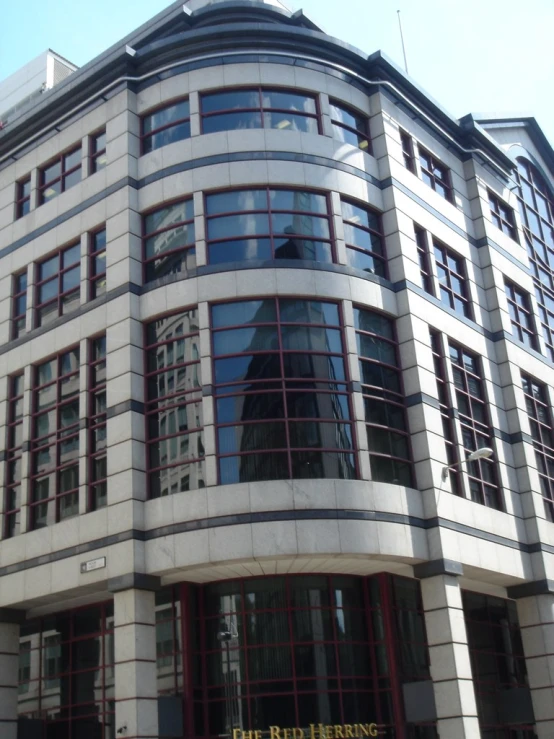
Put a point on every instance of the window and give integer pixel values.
(451, 272)
(169, 646)
(387, 429)
(521, 315)
(168, 238)
(268, 224)
(259, 108)
(502, 216)
(59, 175)
(536, 205)
(282, 404)
(19, 304)
(424, 260)
(364, 239)
(350, 126)
(58, 287)
(14, 450)
(98, 159)
(497, 662)
(435, 174)
(408, 151)
(23, 197)
(542, 431)
(97, 473)
(475, 425)
(175, 446)
(445, 405)
(165, 126)
(97, 263)
(55, 440)
(67, 673)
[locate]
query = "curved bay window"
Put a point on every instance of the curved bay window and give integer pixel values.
(66, 675)
(175, 447)
(168, 240)
(282, 405)
(259, 107)
(387, 429)
(268, 224)
(306, 649)
(364, 239)
(536, 205)
(350, 126)
(165, 126)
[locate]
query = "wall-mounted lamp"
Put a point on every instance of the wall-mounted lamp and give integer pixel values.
(483, 453)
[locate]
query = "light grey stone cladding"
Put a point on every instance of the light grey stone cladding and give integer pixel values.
(217, 532)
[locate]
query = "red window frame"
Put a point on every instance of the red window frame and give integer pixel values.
(435, 174)
(502, 216)
(260, 108)
(542, 431)
(54, 441)
(272, 235)
(424, 259)
(61, 177)
(14, 453)
(97, 429)
(97, 151)
(521, 315)
(97, 263)
(453, 282)
(471, 402)
(360, 129)
(187, 250)
(47, 668)
(19, 304)
(62, 297)
(23, 197)
(379, 395)
(283, 386)
(374, 236)
(144, 137)
(174, 401)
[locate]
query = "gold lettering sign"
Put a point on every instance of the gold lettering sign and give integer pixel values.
(315, 731)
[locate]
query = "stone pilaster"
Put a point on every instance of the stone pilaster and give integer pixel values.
(449, 655)
(136, 708)
(536, 619)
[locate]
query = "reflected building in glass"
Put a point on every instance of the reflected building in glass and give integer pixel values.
(276, 387)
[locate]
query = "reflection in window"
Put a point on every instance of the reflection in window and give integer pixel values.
(364, 239)
(165, 126)
(521, 315)
(59, 175)
(14, 450)
(435, 174)
(264, 224)
(451, 273)
(502, 216)
(542, 431)
(98, 158)
(258, 108)
(97, 263)
(23, 197)
(55, 444)
(58, 288)
(19, 304)
(350, 126)
(387, 430)
(169, 241)
(98, 472)
(536, 205)
(282, 400)
(174, 423)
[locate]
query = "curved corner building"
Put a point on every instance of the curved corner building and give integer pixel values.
(261, 298)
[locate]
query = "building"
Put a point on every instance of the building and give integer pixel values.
(257, 292)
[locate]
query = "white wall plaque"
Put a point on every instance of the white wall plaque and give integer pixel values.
(93, 564)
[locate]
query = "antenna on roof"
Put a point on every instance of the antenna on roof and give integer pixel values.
(402, 39)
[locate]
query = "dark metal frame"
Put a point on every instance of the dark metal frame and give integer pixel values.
(96, 278)
(97, 417)
(19, 292)
(521, 315)
(542, 431)
(60, 295)
(163, 106)
(377, 258)
(449, 295)
(424, 259)
(362, 132)
(502, 216)
(189, 247)
(435, 174)
(64, 173)
(22, 198)
(96, 154)
(14, 454)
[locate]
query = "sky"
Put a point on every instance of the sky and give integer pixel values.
(478, 56)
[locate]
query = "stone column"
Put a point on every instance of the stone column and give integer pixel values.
(448, 650)
(136, 694)
(9, 664)
(536, 620)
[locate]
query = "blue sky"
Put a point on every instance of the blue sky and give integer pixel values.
(471, 55)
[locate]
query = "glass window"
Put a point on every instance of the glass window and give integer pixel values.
(541, 425)
(502, 216)
(258, 108)
(97, 441)
(97, 263)
(19, 304)
(452, 279)
(521, 315)
(364, 238)
(98, 158)
(58, 176)
(435, 174)
(280, 377)
(58, 288)
(175, 448)
(424, 260)
(14, 451)
(165, 126)
(350, 126)
(408, 151)
(23, 197)
(266, 224)
(169, 241)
